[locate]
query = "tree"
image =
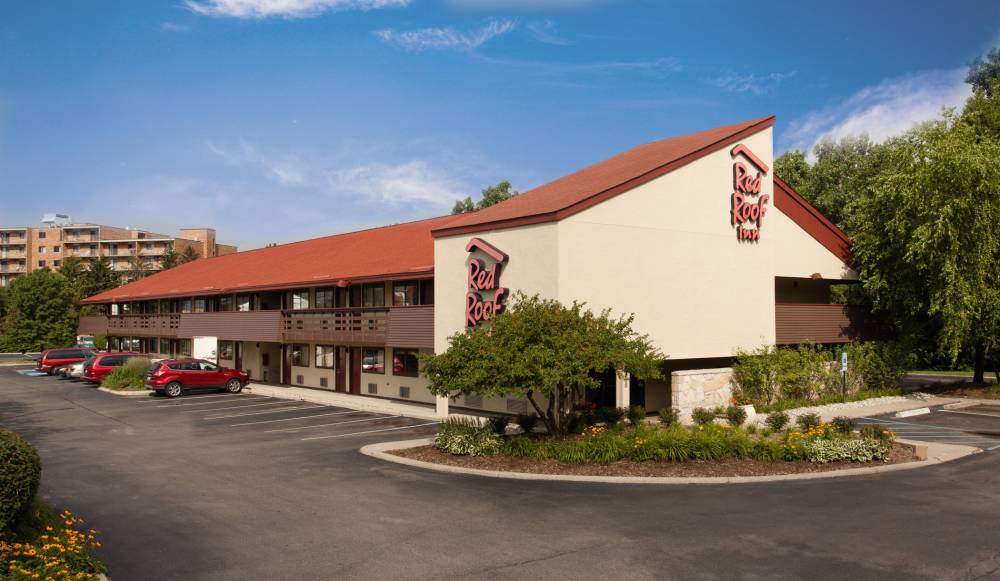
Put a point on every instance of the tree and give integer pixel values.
(926, 241)
(984, 71)
(491, 195)
(169, 259)
(794, 169)
(40, 311)
(101, 277)
(541, 348)
(138, 267)
(187, 255)
(76, 277)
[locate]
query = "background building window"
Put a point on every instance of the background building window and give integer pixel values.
(404, 294)
(225, 304)
(199, 305)
(300, 355)
(373, 360)
(243, 303)
(373, 295)
(325, 356)
(41, 235)
(56, 263)
(184, 347)
(325, 298)
(41, 264)
(41, 250)
(55, 248)
(300, 299)
(427, 292)
(405, 362)
(225, 349)
(186, 306)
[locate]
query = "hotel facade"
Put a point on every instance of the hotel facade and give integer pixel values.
(694, 234)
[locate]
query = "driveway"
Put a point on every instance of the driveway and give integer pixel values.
(179, 491)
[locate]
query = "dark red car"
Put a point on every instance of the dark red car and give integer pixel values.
(100, 364)
(54, 358)
(175, 376)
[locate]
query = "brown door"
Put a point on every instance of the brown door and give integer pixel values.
(341, 369)
(356, 370)
(286, 369)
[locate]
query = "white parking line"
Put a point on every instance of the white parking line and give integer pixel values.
(260, 413)
(239, 407)
(298, 418)
(994, 416)
(191, 403)
(188, 398)
(333, 424)
(367, 432)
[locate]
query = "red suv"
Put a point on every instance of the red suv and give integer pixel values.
(54, 358)
(100, 364)
(174, 376)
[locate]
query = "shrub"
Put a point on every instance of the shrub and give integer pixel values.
(636, 415)
(876, 432)
(527, 422)
(767, 450)
(606, 448)
(465, 437)
(768, 374)
(751, 429)
(20, 472)
(59, 553)
(702, 416)
(876, 365)
(519, 447)
(131, 375)
(498, 424)
(844, 425)
(777, 421)
(609, 415)
(863, 450)
(808, 421)
(707, 443)
(669, 416)
(673, 443)
(736, 416)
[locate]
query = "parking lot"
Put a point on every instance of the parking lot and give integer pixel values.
(217, 486)
(977, 426)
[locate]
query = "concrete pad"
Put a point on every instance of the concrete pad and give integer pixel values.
(344, 400)
(914, 412)
(126, 392)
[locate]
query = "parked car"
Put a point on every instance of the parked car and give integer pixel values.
(175, 376)
(101, 364)
(55, 358)
(74, 371)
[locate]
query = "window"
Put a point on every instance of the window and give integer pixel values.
(154, 344)
(405, 362)
(41, 250)
(373, 360)
(41, 235)
(427, 292)
(55, 248)
(206, 366)
(404, 294)
(300, 299)
(300, 355)
(186, 306)
(225, 350)
(243, 302)
(325, 356)
(199, 306)
(373, 295)
(325, 298)
(225, 303)
(56, 263)
(41, 264)
(184, 347)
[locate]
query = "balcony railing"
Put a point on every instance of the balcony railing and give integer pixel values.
(144, 325)
(343, 326)
(797, 323)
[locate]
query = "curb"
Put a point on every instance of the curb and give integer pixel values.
(937, 454)
(125, 393)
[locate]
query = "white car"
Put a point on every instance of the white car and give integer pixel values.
(74, 371)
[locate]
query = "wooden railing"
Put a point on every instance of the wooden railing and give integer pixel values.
(340, 326)
(797, 323)
(144, 325)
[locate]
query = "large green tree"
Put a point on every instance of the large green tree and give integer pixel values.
(543, 351)
(926, 242)
(41, 312)
(187, 255)
(138, 267)
(491, 195)
(984, 71)
(101, 277)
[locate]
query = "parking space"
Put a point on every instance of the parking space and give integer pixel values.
(977, 426)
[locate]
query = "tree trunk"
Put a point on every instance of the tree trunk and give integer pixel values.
(979, 372)
(538, 410)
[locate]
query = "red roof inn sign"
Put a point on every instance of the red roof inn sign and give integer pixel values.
(484, 280)
(748, 204)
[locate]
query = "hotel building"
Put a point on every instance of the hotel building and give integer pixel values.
(694, 234)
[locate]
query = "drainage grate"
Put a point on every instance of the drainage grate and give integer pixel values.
(372, 388)
(404, 391)
(473, 401)
(517, 406)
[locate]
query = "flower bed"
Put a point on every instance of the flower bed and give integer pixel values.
(643, 449)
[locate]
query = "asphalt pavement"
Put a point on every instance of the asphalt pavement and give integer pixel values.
(218, 486)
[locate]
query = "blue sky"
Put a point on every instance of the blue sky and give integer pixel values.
(277, 120)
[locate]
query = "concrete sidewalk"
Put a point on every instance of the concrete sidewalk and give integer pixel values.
(870, 407)
(344, 400)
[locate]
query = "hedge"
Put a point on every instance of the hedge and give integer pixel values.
(20, 473)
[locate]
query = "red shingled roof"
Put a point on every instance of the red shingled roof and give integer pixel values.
(592, 185)
(399, 251)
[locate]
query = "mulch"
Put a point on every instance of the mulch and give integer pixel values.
(693, 468)
(976, 392)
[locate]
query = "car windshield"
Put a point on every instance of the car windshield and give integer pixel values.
(154, 367)
(90, 359)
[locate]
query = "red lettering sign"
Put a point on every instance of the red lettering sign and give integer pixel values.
(748, 205)
(483, 280)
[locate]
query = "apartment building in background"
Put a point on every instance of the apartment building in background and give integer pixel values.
(24, 249)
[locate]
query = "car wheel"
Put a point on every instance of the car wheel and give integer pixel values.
(234, 386)
(173, 389)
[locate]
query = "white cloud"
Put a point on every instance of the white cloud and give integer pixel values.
(445, 38)
(524, 3)
(173, 27)
(547, 32)
(750, 83)
(408, 182)
(883, 110)
(285, 169)
(259, 9)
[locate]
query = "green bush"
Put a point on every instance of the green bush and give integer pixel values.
(465, 437)
(844, 425)
(498, 424)
(777, 421)
(768, 374)
(702, 416)
(20, 473)
(767, 450)
(876, 432)
(736, 416)
(850, 450)
(608, 415)
(669, 416)
(808, 421)
(131, 375)
(636, 415)
(876, 365)
(101, 342)
(527, 422)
